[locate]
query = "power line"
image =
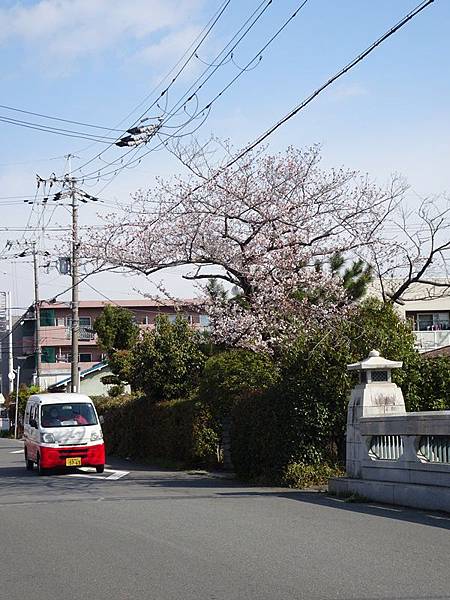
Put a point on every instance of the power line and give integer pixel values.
(55, 130)
(250, 62)
(246, 27)
(193, 53)
(312, 96)
(204, 34)
(36, 114)
(224, 58)
(258, 54)
(309, 99)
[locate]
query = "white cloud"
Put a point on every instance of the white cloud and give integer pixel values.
(74, 29)
(171, 46)
(348, 90)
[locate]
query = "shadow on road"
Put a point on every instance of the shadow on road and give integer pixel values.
(143, 483)
(397, 513)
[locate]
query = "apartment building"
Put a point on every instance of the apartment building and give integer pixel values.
(431, 322)
(55, 334)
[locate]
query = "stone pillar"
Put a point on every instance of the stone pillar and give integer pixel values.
(375, 395)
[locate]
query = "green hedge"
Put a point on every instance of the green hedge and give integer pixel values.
(278, 428)
(175, 431)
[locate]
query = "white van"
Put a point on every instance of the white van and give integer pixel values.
(62, 430)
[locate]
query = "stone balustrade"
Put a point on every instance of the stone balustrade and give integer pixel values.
(393, 456)
(420, 440)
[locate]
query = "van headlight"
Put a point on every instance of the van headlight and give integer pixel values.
(48, 438)
(96, 435)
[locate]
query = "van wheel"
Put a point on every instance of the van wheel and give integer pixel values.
(29, 463)
(100, 468)
(40, 469)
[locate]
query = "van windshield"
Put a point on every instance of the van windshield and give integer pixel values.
(68, 415)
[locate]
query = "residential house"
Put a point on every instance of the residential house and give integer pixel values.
(91, 381)
(427, 307)
(55, 333)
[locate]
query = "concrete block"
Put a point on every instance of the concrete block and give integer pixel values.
(426, 497)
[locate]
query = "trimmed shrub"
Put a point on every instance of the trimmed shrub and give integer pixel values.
(280, 427)
(234, 376)
(300, 476)
(174, 430)
(167, 362)
(426, 385)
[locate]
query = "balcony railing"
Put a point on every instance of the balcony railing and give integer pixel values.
(429, 340)
(85, 334)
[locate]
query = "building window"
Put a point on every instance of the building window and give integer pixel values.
(204, 320)
(173, 317)
(48, 354)
(47, 317)
(433, 321)
(84, 321)
(82, 357)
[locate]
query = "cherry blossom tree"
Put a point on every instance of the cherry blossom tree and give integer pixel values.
(259, 228)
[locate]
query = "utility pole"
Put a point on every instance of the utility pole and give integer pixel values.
(10, 346)
(16, 418)
(70, 191)
(37, 314)
(74, 382)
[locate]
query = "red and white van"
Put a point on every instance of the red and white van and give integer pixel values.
(62, 430)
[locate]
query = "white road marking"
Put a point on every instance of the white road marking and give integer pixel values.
(118, 474)
(17, 451)
(113, 477)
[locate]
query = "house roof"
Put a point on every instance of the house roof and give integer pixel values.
(443, 351)
(138, 303)
(98, 367)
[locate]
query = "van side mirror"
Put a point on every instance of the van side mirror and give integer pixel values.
(101, 419)
(33, 423)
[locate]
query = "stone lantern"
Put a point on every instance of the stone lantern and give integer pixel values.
(374, 395)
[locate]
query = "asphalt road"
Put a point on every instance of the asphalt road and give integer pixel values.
(159, 535)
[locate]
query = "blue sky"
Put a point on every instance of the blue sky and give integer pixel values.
(94, 60)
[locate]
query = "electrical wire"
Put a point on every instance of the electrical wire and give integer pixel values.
(255, 16)
(54, 130)
(204, 34)
(257, 55)
(246, 27)
(314, 94)
(36, 114)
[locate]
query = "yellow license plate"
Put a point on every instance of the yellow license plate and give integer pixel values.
(73, 462)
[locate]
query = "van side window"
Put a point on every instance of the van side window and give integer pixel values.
(33, 416)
